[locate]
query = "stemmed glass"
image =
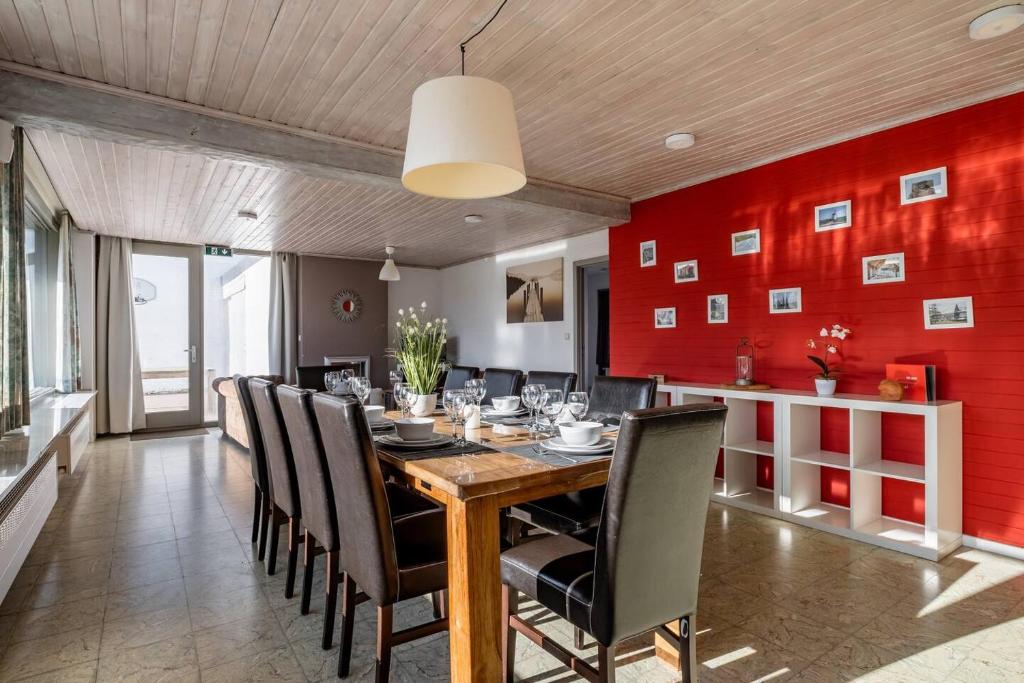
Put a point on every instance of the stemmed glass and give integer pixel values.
(361, 387)
(578, 402)
(476, 389)
(402, 396)
(531, 399)
(454, 402)
(552, 405)
(331, 380)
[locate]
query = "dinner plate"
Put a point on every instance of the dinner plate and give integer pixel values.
(494, 412)
(556, 444)
(395, 441)
(382, 425)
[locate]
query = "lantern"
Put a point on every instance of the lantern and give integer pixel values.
(744, 363)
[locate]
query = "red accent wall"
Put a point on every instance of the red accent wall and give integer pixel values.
(970, 243)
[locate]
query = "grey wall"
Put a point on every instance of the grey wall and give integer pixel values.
(321, 334)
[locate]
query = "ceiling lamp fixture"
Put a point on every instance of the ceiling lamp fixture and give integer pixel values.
(474, 218)
(680, 140)
(997, 22)
(247, 215)
(463, 138)
(389, 271)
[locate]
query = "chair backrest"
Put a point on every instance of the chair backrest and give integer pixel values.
(502, 382)
(312, 376)
(612, 396)
(651, 533)
(280, 464)
(315, 490)
(566, 381)
(257, 454)
(458, 375)
(366, 539)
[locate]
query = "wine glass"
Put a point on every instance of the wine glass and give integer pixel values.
(531, 397)
(332, 380)
(454, 402)
(402, 396)
(476, 389)
(578, 402)
(551, 405)
(361, 387)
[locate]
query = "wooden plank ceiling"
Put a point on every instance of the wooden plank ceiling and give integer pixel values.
(597, 84)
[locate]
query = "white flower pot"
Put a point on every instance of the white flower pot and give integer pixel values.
(825, 387)
(424, 405)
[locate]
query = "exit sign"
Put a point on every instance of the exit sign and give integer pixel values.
(211, 250)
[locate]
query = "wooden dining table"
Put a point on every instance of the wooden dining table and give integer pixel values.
(474, 488)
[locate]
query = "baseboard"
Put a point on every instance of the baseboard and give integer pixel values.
(1013, 551)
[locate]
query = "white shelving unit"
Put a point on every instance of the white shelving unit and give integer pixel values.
(798, 458)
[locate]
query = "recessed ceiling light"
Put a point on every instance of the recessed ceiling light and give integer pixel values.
(474, 218)
(997, 22)
(248, 215)
(680, 140)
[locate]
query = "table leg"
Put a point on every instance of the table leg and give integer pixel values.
(474, 589)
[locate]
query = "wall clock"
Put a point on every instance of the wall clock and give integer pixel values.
(346, 305)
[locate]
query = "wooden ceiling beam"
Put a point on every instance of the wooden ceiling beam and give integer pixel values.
(34, 98)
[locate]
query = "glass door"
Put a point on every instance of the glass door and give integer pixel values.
(168, 321)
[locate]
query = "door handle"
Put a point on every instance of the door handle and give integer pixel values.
(192, 350)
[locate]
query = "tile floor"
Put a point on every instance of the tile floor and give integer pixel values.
(144, 572)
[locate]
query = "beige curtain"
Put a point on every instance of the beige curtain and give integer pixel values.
(69, 355)
(119, 405)
(14, 380)
(284, 329)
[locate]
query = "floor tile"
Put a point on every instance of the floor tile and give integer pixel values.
(50, 653)
(166, 661)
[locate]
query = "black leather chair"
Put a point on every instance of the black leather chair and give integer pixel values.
(502, 382)
(566, 381)
(263, 505)
(644, 568)
(458, 375)
(319, 519)
(611, 396)
(393, 541)
(285, 499)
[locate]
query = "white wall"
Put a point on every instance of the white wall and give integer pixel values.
(473, 296)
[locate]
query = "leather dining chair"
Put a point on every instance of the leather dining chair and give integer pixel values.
(566, 381)
(611, 396)
(393, 541)
(318, 513)
(502, 382)
(458, 375)
(642, 571)
(285, 505)
(263, 506)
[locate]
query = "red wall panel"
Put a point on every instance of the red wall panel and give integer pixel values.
(970, 243)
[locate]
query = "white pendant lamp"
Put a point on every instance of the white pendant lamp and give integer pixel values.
(463, 138)
(389, 271)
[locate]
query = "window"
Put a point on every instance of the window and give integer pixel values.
(41, 277)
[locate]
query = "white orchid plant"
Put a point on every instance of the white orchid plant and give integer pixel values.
(829, 345)
(420, 346)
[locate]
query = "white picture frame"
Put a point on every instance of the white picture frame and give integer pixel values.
(686, 271)
(834, 216)
(948, 314)
(664, 318)
(648, 254)
(883, 268)
(787, 300)
(746, 242)
(924, 186)
(718, 309)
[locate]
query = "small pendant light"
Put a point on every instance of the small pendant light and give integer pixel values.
(389, 271)
(463, 137)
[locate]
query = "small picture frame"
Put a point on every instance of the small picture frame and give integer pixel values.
(955, 312)
(833, 216)
(883, 268)
(923, 186)
(718, 309)
(789, 300)
(746, 242)
(664, 318)
(686, 271)
(648, 254)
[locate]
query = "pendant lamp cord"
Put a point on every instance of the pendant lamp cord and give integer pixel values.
(463, 44)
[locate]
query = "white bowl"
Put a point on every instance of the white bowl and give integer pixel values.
(504, 403)
(374, 414)
(415, 428)
(581, 433)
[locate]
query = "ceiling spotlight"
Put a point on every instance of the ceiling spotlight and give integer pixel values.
(247, 215)
(389, 271)
(680, 140)
(474, 218)
(997, 22)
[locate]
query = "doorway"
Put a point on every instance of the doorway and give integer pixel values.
(592, 326)
(168, 322)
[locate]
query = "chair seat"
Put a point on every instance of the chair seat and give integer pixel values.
(567, 513)
(420, 529)
(557, 572)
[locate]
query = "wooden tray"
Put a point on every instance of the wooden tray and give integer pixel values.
(748, 387)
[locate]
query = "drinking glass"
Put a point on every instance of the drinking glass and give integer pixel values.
(332, 380)
(402, 396)
(476, 389)
(552, 404)
(454, 402)
(361, 387)
(578, 402)
(348, 374)
(531, 398)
